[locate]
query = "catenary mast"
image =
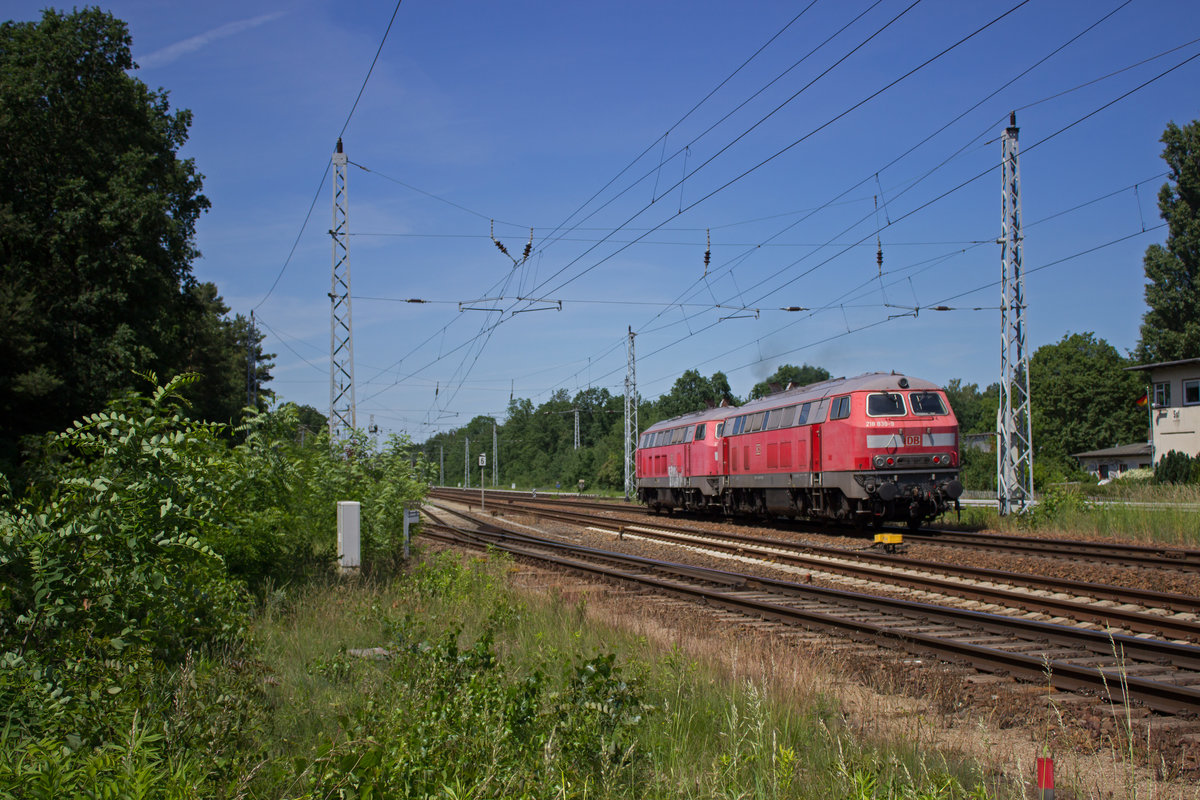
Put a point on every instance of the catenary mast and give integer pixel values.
(342, 410)
(1014, 447)
(631, 420)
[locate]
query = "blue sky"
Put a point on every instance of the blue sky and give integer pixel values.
(757, 125)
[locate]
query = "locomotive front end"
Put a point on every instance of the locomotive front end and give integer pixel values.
(909, 466)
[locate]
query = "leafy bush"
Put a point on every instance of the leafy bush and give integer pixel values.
(1176, 467)
(127, 571)
(107, 573)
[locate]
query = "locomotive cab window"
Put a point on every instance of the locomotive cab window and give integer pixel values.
(841, 408)
(885, 404)
(720, 429)
(700, 432)
(926, 403)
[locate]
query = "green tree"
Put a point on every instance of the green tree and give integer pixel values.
(97, 224)
(975, 410)
(1082, 398)
(215, 348)
(1171, 327)
(693, 392)
(789, 373)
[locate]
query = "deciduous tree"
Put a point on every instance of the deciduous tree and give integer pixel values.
(1171, 327)
(789, 373)
(97, 226)
(1082, 398)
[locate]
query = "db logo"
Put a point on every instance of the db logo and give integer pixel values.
(912, 440)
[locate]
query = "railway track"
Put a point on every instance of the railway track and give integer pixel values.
(1159, 557)
(1161, 675)
(1124, 609)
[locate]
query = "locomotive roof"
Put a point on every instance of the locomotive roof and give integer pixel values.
(720, 412)
(870, 381)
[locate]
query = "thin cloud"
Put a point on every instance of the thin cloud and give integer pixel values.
(175, 51)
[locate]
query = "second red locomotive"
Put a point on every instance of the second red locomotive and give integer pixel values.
(875, 448)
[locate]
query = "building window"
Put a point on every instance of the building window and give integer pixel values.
(1162, 395)
(1191, 392)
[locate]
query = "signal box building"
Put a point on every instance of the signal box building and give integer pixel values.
(1174, 401)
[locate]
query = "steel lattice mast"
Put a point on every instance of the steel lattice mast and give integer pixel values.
(342, 412)
(631, 420)
(1014, 448)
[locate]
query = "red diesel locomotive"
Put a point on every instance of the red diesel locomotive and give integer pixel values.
(879, 447)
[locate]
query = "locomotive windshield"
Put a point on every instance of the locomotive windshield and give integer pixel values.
(926, 403)
(889, 404)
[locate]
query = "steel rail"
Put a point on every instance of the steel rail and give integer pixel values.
(1159, 556)
(1135, 621)
(1114, 681)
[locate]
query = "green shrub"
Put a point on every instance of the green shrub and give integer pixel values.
(1176, 467)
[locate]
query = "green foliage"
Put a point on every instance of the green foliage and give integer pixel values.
(1054, 507)
(126, 570)
(978, 469)
(134, 765)
(974, 410)
(97, 224)
(108, 571)
(1171, 326)
(693, 392)
(455, 716)
(1082, 398)
(789, 374)
(1176, 467)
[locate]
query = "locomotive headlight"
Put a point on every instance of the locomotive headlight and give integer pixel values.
(878, 461)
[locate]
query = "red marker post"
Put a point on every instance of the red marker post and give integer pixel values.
(1045, 778)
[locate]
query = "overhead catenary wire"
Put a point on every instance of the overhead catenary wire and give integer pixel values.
(889, 246)
(539, 287)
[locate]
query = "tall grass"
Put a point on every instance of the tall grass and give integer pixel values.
(486, 692)
(1139, 513)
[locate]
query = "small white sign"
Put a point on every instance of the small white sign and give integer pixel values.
(483, 459)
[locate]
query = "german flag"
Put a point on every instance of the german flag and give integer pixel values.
(1143, 399)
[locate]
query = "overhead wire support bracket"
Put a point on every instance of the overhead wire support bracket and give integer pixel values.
(741, 316)
(557, 307)
(465, 305)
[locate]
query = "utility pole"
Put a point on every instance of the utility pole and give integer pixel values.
(631, 421)
(467, 464)
(342, 409)
(576, 428)
(441, 465)
(1014, 446)
(495, 457)
(251, 367)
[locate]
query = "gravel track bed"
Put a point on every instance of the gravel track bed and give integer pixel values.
(1162, 580)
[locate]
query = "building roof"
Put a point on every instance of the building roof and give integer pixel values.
(1179, 363)
(1138, 449)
